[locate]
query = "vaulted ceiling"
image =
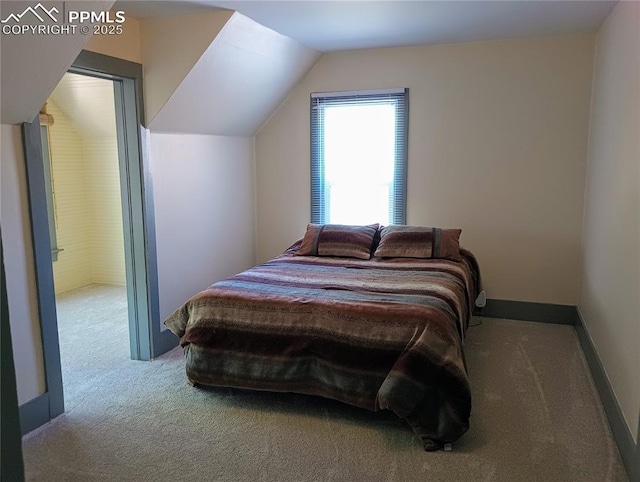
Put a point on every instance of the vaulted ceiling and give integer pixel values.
(235, 85)
(211, 70)
(216, 72)
(32, 65)
(88, 102)
(331, 25)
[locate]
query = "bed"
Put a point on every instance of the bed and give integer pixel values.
(374, 331)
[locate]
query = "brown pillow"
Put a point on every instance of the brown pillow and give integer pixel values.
(338, 240)
(419, 242)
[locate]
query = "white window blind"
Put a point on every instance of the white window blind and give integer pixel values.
(359, 157)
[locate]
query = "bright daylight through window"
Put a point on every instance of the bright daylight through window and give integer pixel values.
(358, 157)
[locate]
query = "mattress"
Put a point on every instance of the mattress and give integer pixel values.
(381, 334)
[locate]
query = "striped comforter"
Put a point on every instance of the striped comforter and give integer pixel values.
(378, 334)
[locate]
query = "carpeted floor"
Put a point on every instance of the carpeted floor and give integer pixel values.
(93, 326)
(536, 417)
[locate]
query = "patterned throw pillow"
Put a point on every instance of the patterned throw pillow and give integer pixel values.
(338, 240)
(419, 242)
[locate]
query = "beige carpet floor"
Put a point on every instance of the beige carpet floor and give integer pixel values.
(93, 327)
(536, 417)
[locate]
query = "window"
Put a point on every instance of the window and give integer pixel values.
(359, 157)
(48, 184)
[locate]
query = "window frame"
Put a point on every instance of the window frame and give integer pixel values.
(318, 103)
(49, 191)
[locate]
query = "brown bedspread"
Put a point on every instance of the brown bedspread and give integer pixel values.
(378, 334)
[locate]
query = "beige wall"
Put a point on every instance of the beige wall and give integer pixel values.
(497, 147)
(32, 65)
(19, 268)
(204, 194)
(73, 268)
(123, 46)
(610, 292)
(105, 210)
(170, 47)
(203, 186)
(237, 83)
(86, 180)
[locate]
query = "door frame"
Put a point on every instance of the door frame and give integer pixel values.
(12, 467)
(147, 340)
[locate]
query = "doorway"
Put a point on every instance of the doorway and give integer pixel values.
(146, 339)
(82, 176)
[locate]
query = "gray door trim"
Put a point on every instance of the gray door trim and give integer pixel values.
(138, 312)
(112, 67)
(151, 339)
(147, 339)
(43, 268)
(162, 340)
(635, 477)
(12, 467)
(137, 189)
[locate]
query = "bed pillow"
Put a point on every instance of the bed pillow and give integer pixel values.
(419, 242)
(338, 240)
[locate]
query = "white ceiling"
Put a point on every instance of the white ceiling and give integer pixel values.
(88, 102)
(32, 65)
(343, 25)
(237, 83)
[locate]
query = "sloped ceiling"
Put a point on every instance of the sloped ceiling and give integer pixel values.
(239, 81)
(170, 47)
(32, 65)
(88, 102)
(332, 25)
